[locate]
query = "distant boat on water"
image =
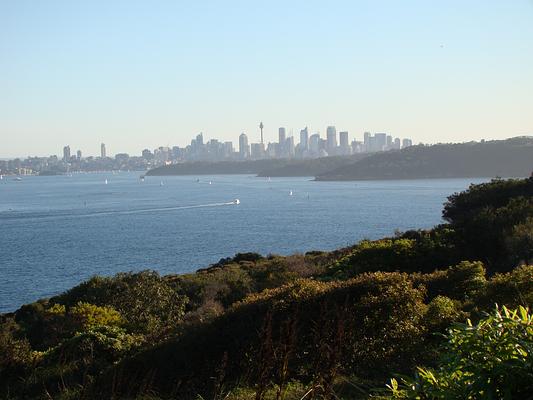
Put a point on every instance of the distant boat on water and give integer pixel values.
(105, 182)
(18, 179)
(161, 183)
(236, 201)
(290, 192)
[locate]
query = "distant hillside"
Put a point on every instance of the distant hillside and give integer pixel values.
(213, 168)
(311, 167)
(277, 167)
(505, 158)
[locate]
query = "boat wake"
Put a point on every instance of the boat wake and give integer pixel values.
(12, 214)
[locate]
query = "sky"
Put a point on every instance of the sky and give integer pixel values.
(137, 75)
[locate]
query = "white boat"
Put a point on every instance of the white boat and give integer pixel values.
(290, 192)
(105, 182)
(236, 201)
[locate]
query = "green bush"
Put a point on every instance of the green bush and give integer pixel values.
(463, 281)
(147, 302)
(87, 316)
(441, 313)
(510, 289)
(15, 353)
(379, 255)
(489, 360)
(488, 219)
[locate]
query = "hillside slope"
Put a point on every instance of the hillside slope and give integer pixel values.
(271, 167)
(505, 158)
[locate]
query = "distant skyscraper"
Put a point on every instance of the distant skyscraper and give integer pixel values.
(406, 143)
(261, 128)
(257, 151)
(304, 139)
(78, 154)
(200, 139)
(289, 146)
(282, 137)
(244, 148)
(102, 151)
(343, 139)
(314, 143)
(380, 141)
(66, 153)
(366, 142)
(331, 137)
(397, 144)
(389, 142)
(228, 149)
(344, 143)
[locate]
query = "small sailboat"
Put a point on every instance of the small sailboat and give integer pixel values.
(210, 182)
(105, 182)
(1, 177)
(290, 192)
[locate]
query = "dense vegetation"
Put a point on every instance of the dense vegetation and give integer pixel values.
(511, 157)
(270, 167)
(382, 319)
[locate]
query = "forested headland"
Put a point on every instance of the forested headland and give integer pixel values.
(436, 314)
(487, 159)
(496, 158)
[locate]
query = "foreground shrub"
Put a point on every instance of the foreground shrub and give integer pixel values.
(489, 360)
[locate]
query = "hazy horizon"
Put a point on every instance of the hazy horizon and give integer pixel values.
(138, 76)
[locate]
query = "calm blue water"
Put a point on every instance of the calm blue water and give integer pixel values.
(57, 231)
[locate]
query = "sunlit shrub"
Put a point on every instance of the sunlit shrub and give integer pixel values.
(489, 360)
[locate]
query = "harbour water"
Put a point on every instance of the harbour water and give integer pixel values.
(57, 231)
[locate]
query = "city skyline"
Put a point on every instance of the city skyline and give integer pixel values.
(308, 146)
(334, 143)
(149, 74)
(210, 150)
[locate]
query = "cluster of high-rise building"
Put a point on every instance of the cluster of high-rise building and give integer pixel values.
(308, 146)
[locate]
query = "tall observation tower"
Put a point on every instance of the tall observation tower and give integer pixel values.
(261, 127)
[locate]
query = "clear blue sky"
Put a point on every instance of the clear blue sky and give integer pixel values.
(143, 74)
